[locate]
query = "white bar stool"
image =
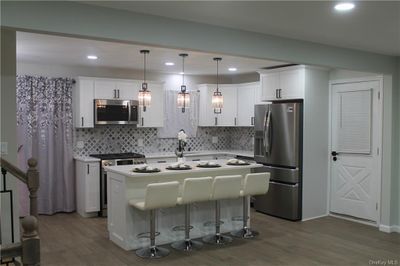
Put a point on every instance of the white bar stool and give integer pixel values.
(223, 187)
(158, 195)
(194, 190)
(254, 184)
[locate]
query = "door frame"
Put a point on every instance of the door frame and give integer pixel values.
(378, 78)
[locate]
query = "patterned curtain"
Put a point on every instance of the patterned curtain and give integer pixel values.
(44, 128)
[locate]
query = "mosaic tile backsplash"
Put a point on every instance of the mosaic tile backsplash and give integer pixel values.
(115, 139)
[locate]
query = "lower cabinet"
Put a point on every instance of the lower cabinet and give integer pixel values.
(87, 188)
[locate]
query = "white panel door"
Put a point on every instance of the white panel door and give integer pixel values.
(245, 105)
(228, 116)
(355, 170)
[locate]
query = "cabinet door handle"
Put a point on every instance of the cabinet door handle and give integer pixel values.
(88, 169)
(82, 121)
(118, 94)
(142, 121)
(215, 121)
(279, 91)
(276, 94)
(252, 121)
(235, 121)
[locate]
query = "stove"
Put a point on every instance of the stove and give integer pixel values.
(112, 159)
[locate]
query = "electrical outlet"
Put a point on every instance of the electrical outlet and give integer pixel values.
(80, 144)
(214, 139)
(4, 148)
(140, 143)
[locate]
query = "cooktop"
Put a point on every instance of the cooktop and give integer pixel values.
(112, 156)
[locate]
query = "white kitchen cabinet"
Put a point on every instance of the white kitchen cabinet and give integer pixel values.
(245, 104)
(116, 89)
(87, 187)
(128, 90)
(228, 116)
(83, 96)
(283, 83)
(154, 114)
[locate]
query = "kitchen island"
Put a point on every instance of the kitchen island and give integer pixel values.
(125, 223)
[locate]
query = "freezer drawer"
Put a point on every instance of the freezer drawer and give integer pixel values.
(282, 200)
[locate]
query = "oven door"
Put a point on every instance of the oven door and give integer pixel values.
(115, 112)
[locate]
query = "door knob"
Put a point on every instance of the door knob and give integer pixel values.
(334, 153)
(335, 158)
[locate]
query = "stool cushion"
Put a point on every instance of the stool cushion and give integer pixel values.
(158, 195)
(226, 187)
(195, 190)
(255, 184)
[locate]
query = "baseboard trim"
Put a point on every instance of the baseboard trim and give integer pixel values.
(348, 218)
(315, 217)
(389, 228)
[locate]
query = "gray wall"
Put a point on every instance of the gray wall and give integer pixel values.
(8, 128)
(71, 18)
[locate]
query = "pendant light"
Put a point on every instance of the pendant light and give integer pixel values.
(144, 96)
(183, 100)
(217, 98)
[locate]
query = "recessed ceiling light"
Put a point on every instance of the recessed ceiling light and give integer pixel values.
(92, 57)
(232, 69)
(181, 73)
(169, 64)
(344, 6)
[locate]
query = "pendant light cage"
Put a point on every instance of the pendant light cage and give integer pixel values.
(144, 96)
(217, 100)
(183, 100)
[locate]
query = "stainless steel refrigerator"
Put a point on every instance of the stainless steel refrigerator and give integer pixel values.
(278, 146)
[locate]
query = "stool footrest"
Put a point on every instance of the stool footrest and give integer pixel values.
(146, 235)
(181, 228)
(209, 223)
(237, 218)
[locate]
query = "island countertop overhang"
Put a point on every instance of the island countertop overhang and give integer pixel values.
(126, 170)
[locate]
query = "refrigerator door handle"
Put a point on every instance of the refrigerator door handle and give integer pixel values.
(267, 134)
(283, 184)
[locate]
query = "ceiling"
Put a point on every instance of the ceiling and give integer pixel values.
(49, 49)
(371, 26)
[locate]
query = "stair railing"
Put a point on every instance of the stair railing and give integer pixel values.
(29, 246)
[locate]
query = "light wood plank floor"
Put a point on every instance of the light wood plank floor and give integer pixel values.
(68, 239)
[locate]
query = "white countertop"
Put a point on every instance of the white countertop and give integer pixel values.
(126, 170)
(88, 159)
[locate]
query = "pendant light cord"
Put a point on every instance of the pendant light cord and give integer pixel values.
(183, 70)
(217, 77)
(144, 67)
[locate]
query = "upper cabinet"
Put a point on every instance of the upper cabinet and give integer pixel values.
(83, 100)
(238, 110)
(282, 83)
(228, 116)
(246, 98)
(154, 114)
(87, 89)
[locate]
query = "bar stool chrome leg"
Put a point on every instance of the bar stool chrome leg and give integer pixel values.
(187, 244)
(152, 252)
(218, 238)
(245, 232)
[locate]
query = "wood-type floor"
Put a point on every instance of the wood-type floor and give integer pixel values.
(68, 239)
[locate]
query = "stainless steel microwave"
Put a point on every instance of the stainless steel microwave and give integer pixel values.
(115, 112)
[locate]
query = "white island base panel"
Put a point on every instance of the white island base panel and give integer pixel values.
(125, 223)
